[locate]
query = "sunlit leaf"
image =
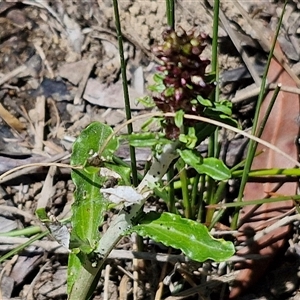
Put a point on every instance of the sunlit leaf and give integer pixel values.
(189, 139)
(147, 101)
(145, 139)
(179, 118)
(89, 204)
(191, 237)
(204, 102)
(210, 166)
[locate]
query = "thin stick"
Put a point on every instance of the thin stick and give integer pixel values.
(202, 119)
(255, 91)
(60, 165)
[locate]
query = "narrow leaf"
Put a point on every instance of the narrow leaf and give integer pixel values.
(146, 139)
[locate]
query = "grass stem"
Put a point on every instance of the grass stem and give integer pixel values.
(125, 90)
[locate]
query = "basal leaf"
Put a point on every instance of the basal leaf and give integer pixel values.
(191, 237)
(90, 141)
(89, 205)
(210, 166)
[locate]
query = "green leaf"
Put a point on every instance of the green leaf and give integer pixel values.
(42, 214)
(179, 118)
(155, 121)
(88, 144)
(158, 78)
(203, 131)
(145, 139)
(80, 266)
(216, 115)
(191, 237)
(89, 205)
(169, 91)
(204, 102)
(159, 88)
(210, 166)
(147, 101)
(123, 171)
(224, 107)
(211, 77)
(189, 139)
(215, 168)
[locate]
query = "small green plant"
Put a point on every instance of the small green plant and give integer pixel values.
(191, 112)
(182, 87)
(184, 93)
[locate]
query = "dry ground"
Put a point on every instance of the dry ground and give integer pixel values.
(59, 71)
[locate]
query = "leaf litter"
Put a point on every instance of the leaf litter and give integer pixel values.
(59, 72)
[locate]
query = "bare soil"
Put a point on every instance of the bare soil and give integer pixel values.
(59, 71)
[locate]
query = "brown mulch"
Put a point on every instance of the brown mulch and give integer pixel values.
(59, 71)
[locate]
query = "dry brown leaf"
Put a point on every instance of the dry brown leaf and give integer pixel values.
(10, 120)
(70, 71)
(111, 96)
(52, 148)
(281, 130)
(48, 190)
(39, 123)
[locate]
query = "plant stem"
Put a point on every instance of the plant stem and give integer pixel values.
(218, 195)
(21, 247)
(195, 192)
(125, 90)
(201, 200)
(257, 202)
(211, 184)
(267, 172)
(214, 61)
(123, 221)
(171, 194)
(25, 231)
(216, 219)
(267, 114)
(170, 13)
(184, 187)
(255, 174)
(211, 188)
(253, 144)
(213, 150)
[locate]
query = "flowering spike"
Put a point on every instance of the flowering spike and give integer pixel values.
(183, 76)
